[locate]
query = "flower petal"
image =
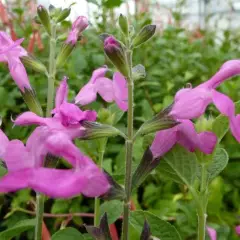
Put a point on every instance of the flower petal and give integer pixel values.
(86, 95)
(104, 87)
(212, 233)
(223, 103)
(120, 91)
(62, 92)
(17, 157)
(30, 118)
(163, 142)
(235, 127)
(3, 143)
(98, 73)
(191, 104)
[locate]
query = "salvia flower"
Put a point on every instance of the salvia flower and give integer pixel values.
(11, 52)
(78, 26)
(191, 103)
(237, 230)
(25, 170)
(109, 90)
(212, 233)
(185, 135)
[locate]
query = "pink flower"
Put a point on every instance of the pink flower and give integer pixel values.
(26, 171)
(78, 26)
(237, 230)
(11, 52)
(115, 90)
(212, 233)
(191, 103)
(185, 135)
(111, 43)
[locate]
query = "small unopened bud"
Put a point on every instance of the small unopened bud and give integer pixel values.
(144, 35)
(63, 15)
(79, 25)
(123, 23)
(32, 102)
(94, 130)
(44, 18)
(160, 122)
(146, 233)
(34, 64)
(116, 54)
(64, 53)
(101, 232)
(147, 164)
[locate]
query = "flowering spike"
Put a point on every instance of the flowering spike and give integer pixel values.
(144, 35)
(44, 18)
(116, 54)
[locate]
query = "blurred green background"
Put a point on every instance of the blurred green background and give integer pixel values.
(175, 57)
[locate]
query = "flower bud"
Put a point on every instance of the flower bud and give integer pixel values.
(116, 54)
(95, 130)
(147, 164)
(64, 53)
(34, 64)
(146, 233)
(79, 25)
(102, 231)
(44, 18)
(161, 121)
(63, 15)
(123, 23)
(32, 102)
(144, 35)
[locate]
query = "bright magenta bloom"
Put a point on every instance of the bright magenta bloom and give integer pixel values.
(109, 90)
(185, 135)
(25, 170)
(237, 230)
(212, 233)
(191, 103)
(78, 26)
(11, 52)
(54, 135)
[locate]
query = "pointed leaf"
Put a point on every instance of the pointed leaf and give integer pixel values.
(219, 162)
(179, 165)
(159, 228)
(17, 229)
(220, 126)
(68, 233)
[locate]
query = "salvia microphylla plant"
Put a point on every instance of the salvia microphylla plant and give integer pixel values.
(186, 153)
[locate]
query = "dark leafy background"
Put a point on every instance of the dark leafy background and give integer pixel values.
(173, 58)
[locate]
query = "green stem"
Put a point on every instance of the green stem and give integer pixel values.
(52, 70)
(102, 148)
(202, 209)
(39, 216)
(50, 99)
(129, 150)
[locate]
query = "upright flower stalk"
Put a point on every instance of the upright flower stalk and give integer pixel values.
(129, 146)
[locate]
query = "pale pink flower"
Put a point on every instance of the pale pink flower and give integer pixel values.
(11, 52)
(78, 26)
(109, 90)
(237, 230)
(212, 233)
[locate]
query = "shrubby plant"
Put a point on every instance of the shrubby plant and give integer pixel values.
(180, 143)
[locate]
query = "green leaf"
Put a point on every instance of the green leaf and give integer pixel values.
(220, 161)
(159, 228)
(113, 209)
(117, 113)
(220, 126)
(69, 234)
(179, 165)
(17, 229)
